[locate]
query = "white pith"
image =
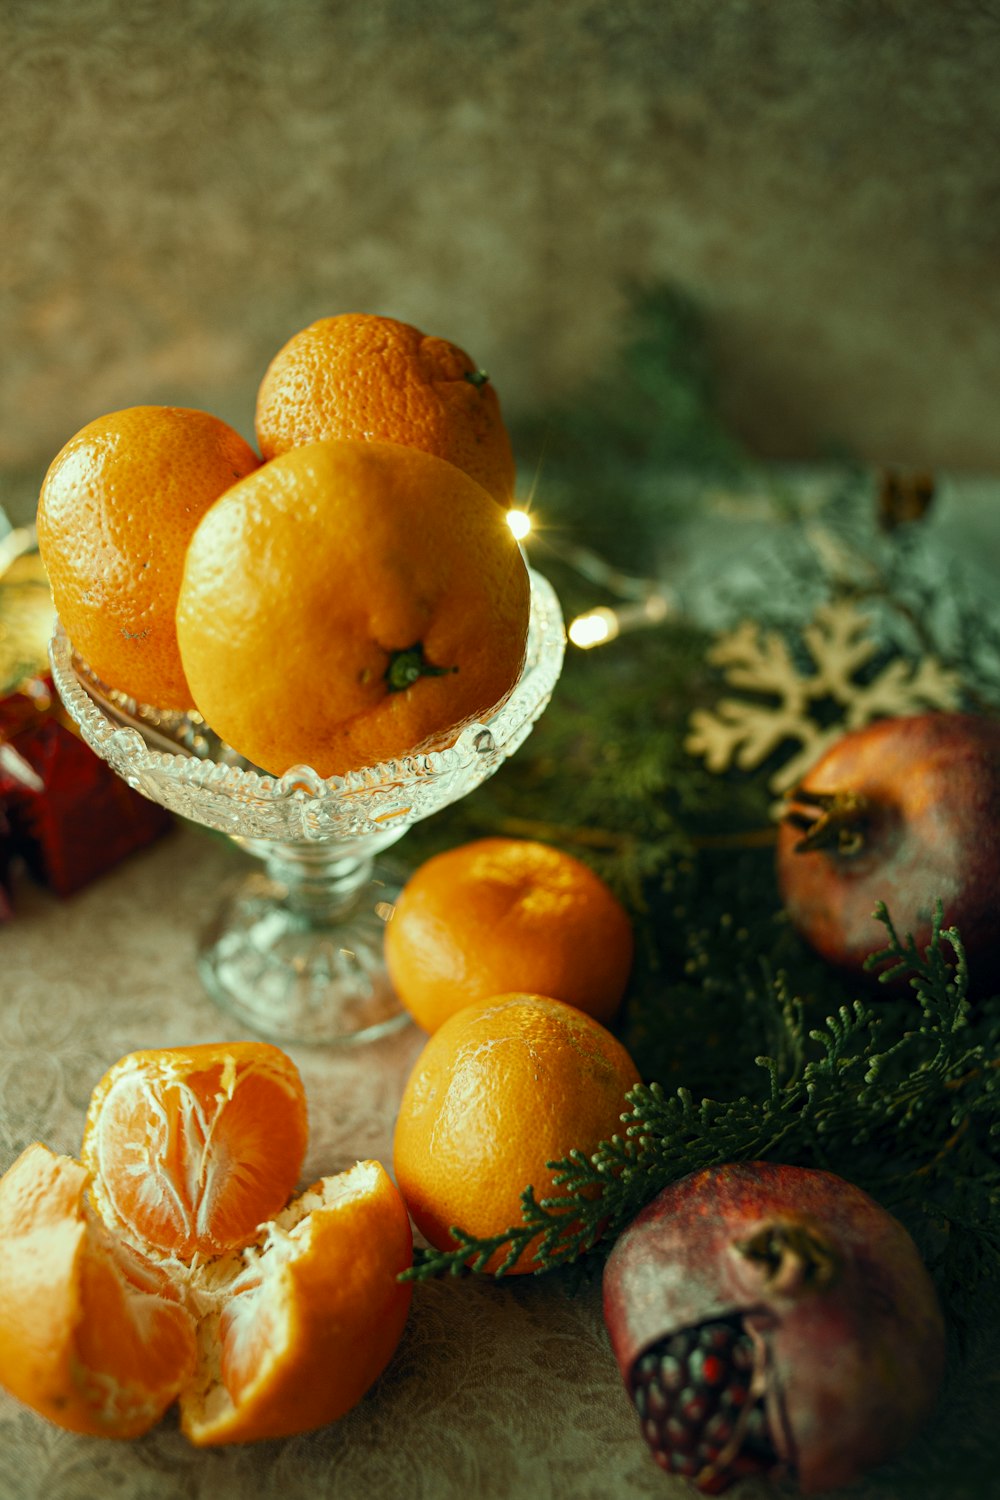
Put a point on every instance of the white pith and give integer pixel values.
(246, 1286)
(254, 1278)
(145, 1289)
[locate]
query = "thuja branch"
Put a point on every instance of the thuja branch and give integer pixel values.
(899, 1097)
(562, 1238)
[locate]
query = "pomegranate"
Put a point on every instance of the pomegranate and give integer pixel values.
(905, 811)
(772, 1320)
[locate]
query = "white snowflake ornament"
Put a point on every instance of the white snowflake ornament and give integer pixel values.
(782, 703)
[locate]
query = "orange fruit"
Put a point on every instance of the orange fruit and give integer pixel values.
(363, 376)
(102, 1329)
(501, 1089)
(88, 1336)
(190, 1149)
(498, 915)
(116, 512)
(309, 1317)
(348, 603)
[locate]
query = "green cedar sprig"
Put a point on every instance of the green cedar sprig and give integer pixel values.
(897, 1095)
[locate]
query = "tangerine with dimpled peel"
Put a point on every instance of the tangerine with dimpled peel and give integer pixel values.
(501, 1089)
(359, 375)
(502, 914)
(350, 603)
(116, 512)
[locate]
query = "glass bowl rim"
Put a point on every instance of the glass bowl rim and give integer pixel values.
(127, 732)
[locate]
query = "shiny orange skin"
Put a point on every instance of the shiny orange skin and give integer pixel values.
(359, 375)
(499, 915)
(931, 831)
(306, 580)
(502, 1088)
(115, 515)
(236, 1108)
(93, 1341)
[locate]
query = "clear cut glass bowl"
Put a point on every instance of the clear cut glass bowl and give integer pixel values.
(295, 950)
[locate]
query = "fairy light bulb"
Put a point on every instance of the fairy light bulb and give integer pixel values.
(598, 626)
(594, 628)
(519, 522)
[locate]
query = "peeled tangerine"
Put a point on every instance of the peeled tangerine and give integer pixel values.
(170, 1265)
(772, 1320)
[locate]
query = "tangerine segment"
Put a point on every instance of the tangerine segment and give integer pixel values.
(91, 1337)
(305, 1320)
(359, 375)
(501, 1089)
(348, 603)
(191, 1149)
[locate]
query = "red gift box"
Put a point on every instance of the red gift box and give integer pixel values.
(62, 809)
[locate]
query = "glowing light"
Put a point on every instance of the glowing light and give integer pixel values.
(519, 522)
(598, 626)
(594, 628)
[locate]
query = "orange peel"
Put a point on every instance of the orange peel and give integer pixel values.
(281, 1331)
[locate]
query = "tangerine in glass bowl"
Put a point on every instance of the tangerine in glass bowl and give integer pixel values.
(295, 949)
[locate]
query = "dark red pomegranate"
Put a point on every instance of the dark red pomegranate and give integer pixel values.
(772, 1320)
(905, 811)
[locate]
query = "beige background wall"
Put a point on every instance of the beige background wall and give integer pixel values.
(184, 185)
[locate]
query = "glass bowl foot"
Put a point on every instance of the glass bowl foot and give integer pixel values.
(293, 974)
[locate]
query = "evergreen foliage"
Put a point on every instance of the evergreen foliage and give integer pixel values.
(750, 1047)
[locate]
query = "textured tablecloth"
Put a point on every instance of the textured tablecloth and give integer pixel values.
(496, 1390)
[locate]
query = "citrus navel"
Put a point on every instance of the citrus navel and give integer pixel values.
(501, 1089)
(348, 603)
(117, 508)
(359, 375)
(108, 1317)
(502, 914)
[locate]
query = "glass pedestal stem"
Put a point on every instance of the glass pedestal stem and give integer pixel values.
(320, 884)
(296, 949)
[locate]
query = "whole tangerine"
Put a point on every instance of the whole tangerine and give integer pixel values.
(360, 375)
(501, 1089)
(117, 508)
(349, 603)
(502, 914)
